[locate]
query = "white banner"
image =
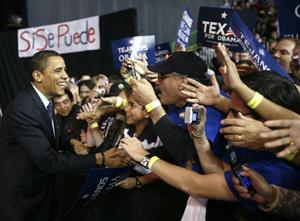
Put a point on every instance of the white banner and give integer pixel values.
(66, 37)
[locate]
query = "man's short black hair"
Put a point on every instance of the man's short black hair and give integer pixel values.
(39, 59)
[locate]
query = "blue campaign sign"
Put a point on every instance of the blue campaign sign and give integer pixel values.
(213, 26)
(162, 50)
(259, 55)
(185, 28)
(134, 47)
(99, 181)
(288, 18)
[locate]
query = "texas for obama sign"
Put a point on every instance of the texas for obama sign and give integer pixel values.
(259, 55)
(213, 26)
(66, 37)
(134, 47)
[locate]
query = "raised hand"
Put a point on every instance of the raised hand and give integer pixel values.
(265, 193)
(286, 133)
(200, 93)
(134, 148)
(244, 132)
(229, 71)
(142, 91)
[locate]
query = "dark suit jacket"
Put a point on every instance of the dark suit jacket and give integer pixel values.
(29, 160)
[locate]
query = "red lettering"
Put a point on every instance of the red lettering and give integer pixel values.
(43, 37)
(91, 32)
(76, 38)
(27, 41)
(61, 34)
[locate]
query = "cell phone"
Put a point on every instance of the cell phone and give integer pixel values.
(236, 168)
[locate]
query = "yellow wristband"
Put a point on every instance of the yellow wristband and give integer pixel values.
(124, 104)
(152, 161)
(118, 102)
(290, 156)
(94, 125)
(127, 80)
(151, 106)
(255, 100)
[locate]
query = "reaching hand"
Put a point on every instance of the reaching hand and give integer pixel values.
(265, 193)
(88, 112)
(198, 130)
(199, 93)
(142, 92)
(134, 148)
(128, 183)
(79, 147)
(114, 157)
(243, 132)
(286, 134)
(229, 73)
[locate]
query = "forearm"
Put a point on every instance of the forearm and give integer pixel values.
(212, 186)
(223, 104)
(210, 163)
(97, 136)
(266, 109)
(157, 114)
(148, 178)
(287, 204)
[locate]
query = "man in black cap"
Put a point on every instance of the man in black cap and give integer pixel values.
(169, 126)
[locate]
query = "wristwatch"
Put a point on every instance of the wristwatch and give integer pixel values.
(146, 159)
(138, 183)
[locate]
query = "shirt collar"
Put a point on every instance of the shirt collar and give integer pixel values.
(42, 97)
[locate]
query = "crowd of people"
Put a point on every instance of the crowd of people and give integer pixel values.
(201, 143)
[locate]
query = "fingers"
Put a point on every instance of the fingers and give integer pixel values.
(275, 133)
(232, 130)
(290, 149)
(192, 100)
(214, 81)
(188, 93)
(234, 121)
(278, 123)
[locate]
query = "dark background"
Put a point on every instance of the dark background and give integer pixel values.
(14, 71)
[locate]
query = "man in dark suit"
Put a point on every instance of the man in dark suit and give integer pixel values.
(28, 153)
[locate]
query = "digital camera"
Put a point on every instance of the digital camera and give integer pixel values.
(190, 115)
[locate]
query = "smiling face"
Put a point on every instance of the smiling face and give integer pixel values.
(135, 113)
(63, 105)
(52, 81)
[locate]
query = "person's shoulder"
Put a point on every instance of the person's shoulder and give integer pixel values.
(23, 99)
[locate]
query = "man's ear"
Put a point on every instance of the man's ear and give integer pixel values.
(37, 76)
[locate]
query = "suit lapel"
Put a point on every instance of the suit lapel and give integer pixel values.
(44, 113)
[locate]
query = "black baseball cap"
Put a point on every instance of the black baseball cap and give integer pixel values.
(182, 62)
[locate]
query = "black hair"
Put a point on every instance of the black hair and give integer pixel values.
(39, 59)
(89, 83)
(274, 87)
(67, 92)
